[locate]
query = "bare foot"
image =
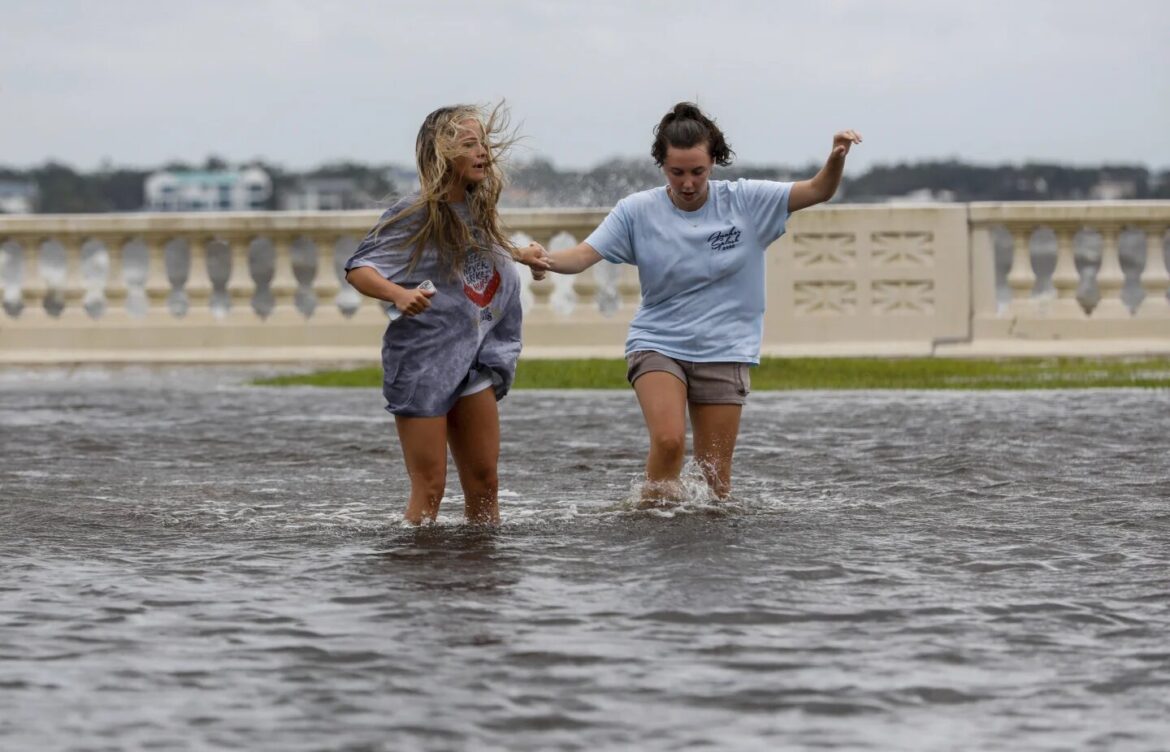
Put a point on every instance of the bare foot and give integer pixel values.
(661, 494)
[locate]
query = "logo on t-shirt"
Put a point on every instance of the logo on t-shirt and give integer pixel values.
(481, 279)
(722, 240)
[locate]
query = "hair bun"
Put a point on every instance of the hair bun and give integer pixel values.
(686, 126)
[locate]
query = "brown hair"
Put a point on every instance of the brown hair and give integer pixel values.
(686, 126)
(437, 146)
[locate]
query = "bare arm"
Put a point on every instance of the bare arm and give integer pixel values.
(370, 283)
(823, 185)
(573, 260)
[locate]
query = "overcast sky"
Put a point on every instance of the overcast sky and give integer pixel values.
(302, 82)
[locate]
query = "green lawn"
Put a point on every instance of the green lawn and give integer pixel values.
(831, 373)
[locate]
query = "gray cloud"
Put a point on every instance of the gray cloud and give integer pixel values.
(303, 82)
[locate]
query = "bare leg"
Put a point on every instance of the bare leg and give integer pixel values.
(424, 448)
(716, 428)
(473, 431)
(663, 399)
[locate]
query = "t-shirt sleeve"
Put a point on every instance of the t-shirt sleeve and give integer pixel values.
(766, 202)
(387, 251)
(614, 238)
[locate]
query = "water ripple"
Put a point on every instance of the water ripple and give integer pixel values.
(189, 562)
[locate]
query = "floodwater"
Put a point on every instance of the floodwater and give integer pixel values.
(189, 562)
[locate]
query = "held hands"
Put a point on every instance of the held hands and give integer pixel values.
(413, 302)
(535, 257)
(842, 141)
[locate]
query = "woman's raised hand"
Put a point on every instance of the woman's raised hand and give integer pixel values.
(842, 141)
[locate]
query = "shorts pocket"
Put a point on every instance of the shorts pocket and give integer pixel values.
(743, 379)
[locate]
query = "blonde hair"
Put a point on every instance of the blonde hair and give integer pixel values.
(436, 148)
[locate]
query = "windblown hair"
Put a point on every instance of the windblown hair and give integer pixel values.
(686, 126)
(436, 148)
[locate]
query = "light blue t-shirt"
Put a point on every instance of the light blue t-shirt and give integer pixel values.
(702, 272)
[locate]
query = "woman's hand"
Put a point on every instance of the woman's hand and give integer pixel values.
(842, 141)
(412, 302)
(535, 257)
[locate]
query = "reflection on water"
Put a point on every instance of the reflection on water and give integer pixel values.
(188, 562)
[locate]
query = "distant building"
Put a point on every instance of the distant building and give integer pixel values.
(18, 197)
(404, 179)
(223, 190)
(327, 194)
(1114, 189)
(924, 196)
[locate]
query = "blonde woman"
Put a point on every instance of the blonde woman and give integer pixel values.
(452, 351)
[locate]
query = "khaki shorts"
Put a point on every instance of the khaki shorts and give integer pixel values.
(707, 383)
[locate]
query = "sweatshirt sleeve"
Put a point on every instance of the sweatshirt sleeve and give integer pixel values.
(386, 251)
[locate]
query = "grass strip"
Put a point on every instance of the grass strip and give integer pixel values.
(828, 373)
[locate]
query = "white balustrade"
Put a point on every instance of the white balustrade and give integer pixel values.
(1084, 277)
(1108, 291)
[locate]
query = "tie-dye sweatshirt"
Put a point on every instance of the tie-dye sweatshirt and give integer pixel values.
(472, 327)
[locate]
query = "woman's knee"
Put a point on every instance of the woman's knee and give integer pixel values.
(668, 443)
(481, 479)
(430, 481)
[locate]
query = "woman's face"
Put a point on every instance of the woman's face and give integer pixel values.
(471, 161)
(687, 171)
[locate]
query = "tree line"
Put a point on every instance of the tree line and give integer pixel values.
(538, 182)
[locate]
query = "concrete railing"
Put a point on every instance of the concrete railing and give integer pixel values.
(978, 279)
(1070, 277)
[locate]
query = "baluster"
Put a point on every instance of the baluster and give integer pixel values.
(1021, 278)
(240, 286)
(1110, 277)
(1065, 278)
(198, 285)
(1155, 278)
(158, 283)
(284, 282)
(73, 287)
(115, 288)
(325, 284)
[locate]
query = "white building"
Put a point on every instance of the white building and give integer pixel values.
(924, 196)
(404, 179)
(17, 197)
(327, 194)
(223, 190)
(1114, 189)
